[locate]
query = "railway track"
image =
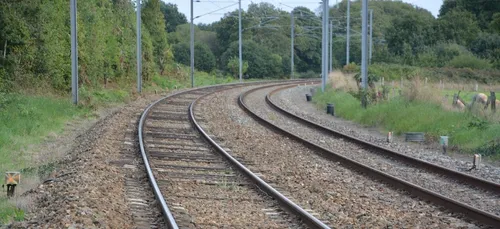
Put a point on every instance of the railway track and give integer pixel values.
(197, 183)
(476, 199)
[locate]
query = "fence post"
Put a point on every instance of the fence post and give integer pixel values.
(493, 100)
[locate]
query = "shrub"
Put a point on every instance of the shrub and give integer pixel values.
(308, 75)
(469, 61)
(351, 68)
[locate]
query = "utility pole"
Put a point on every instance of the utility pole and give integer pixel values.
(364, 51)
(331, 46)
(239, 42)
(74, 53)
(371, 35)
(348, 36)
(292, 36)
(139, 47)
(324, 46)
(192, 45)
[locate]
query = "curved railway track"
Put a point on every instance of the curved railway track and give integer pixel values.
(486, 188)
(197, 183)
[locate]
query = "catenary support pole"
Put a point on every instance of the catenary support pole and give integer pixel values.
(364, 51)
(192, 44)
(74, 53)
(139, 47)
(292, 36)
(239, 42)
(371, 35)
(331, 46)
(348, 30)
(324, 46)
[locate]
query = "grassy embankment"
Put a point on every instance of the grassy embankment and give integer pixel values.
(420, 109)
(26, 120)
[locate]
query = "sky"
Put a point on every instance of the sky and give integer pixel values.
(204, 8)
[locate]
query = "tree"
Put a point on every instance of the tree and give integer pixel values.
(483, 10)
(234, 66)
(458, 26)
(172, 16)
(495, 23)
(204, 59)
(155, 23)
(261, 62)
(486, 45)
(411, 30)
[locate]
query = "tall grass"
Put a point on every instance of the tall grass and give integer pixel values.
(418, 107)
(400, 115)
(26, 120)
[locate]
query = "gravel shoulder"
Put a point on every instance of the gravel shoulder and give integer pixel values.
(336, 194)
(90, 176)
(293, 99)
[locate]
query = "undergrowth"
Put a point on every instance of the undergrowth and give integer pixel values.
(467, 132)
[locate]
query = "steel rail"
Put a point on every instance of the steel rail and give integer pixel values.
(482, 183)
(306, 217)
(436, 198)
(170, 220)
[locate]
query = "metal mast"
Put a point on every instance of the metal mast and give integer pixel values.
(74, 53)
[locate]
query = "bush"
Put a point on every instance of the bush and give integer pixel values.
(351, 68)
(308, 75)
(393, 71)
(469, 61)
(204, 59)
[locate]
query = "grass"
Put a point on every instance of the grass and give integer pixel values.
(8, 212)
(24, 121)
(467, 132)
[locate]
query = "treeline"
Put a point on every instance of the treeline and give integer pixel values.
(35, 43)
(466, 34)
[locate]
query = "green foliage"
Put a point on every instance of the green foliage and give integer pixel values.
(308, 75)
(204, 79)
(8, 212)
(483, 10)
(351, 68)
(204, 59)
(401, 116)
(234, 66)
(458, 26)
(24, 120)
(469, 61)
(154, 21)
(172, 16)
(166, 83)
(394, 71)
(36, 34)
(486, 45)
(495, 23)
(261, 62)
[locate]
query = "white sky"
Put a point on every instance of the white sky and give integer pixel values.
(207, 6)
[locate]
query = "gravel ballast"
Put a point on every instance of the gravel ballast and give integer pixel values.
(338, 195)
(90, 187)
(200, 187)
